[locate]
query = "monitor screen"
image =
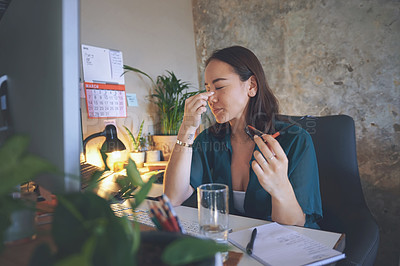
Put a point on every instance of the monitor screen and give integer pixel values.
(39, 54)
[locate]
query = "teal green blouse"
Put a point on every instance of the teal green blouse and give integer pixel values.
(211, 163)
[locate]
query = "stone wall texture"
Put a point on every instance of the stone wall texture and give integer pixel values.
(322, 58)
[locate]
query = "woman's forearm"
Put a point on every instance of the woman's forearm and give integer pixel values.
(286, 209)
(177, 175)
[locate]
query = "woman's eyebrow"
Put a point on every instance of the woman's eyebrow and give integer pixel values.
(218, 79)
(215, 81)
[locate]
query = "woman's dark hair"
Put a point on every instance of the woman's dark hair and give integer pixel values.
(263, 107)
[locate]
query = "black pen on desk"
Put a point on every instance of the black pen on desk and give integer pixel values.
(249, 247)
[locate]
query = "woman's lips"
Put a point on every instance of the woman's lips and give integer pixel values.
(216, 110)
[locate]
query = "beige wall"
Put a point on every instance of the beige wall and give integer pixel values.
(154, 36)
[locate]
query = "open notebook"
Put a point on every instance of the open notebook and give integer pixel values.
(279, 245)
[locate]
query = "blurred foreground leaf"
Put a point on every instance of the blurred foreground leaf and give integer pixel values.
(17, 166)
(191, 249)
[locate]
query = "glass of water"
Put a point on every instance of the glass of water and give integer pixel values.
(213, 210)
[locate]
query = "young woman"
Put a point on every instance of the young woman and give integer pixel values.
(273, 179)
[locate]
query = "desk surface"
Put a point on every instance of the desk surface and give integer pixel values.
(19, 254)
(330, 239)
(236, 223)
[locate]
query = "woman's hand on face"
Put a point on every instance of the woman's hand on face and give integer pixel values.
(271, 165)
(194, 107)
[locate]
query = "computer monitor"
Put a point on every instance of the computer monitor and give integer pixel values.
(39, 53)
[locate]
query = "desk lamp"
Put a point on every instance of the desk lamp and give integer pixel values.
(111, 144)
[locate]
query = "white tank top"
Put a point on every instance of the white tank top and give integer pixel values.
(238, 200)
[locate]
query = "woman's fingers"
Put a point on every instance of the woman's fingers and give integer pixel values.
(270, 164)
(264, 148)
(274, 146)
(261, 161)
(201, 96)
(194, 103)
(194, 107)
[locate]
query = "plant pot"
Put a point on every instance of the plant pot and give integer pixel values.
(153, 156)
(115, 160)
(165, 143)
(152, 246)
(22, 220)
(22, 226)
(138, 157)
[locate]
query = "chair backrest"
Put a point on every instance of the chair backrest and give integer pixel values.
(335, 147)
(343, 203)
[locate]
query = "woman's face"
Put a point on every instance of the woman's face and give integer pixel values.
(231, 95)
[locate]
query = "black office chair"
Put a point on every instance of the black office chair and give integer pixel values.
(343, 203)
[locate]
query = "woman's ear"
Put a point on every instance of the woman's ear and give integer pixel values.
(253, 87)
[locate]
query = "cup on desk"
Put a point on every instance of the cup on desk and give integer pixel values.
(213, 211)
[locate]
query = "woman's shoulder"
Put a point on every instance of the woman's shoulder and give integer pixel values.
(295, 135)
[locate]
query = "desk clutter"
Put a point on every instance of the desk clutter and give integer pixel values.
(163, 215)
(274, 244)
(159, 215)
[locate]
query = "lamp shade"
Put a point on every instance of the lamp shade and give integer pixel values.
(111, 144)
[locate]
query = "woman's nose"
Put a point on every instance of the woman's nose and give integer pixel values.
(213, 98)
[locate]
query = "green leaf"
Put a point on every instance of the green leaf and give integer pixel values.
(141, 195)
(104, 157)
(133, 173)
(17, 166)
(135, 141)
(131, 136)
(129, 68)
(139, 134)
(70, 207)
(12, 150)
(95, 179)
(76, 259)
(83, 258)
(135, 232)
(190, 249)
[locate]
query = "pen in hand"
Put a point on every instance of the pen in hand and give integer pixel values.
(249, 247)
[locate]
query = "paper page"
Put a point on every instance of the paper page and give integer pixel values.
(96, 64)
(278, 245)
(117, 66)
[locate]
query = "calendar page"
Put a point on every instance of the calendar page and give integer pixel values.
(105, 100)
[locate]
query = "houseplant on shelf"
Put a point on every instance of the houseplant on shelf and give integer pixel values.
(169, 96)
(139, 146)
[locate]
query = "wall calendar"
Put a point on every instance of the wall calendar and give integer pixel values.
(104, 83)
(105, 100)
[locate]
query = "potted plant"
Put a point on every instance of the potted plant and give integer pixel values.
(86, 231)
(169, 96)
(17, 210)
(139, 145)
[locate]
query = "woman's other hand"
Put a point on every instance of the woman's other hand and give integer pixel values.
(194, 107)
(271, 166)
